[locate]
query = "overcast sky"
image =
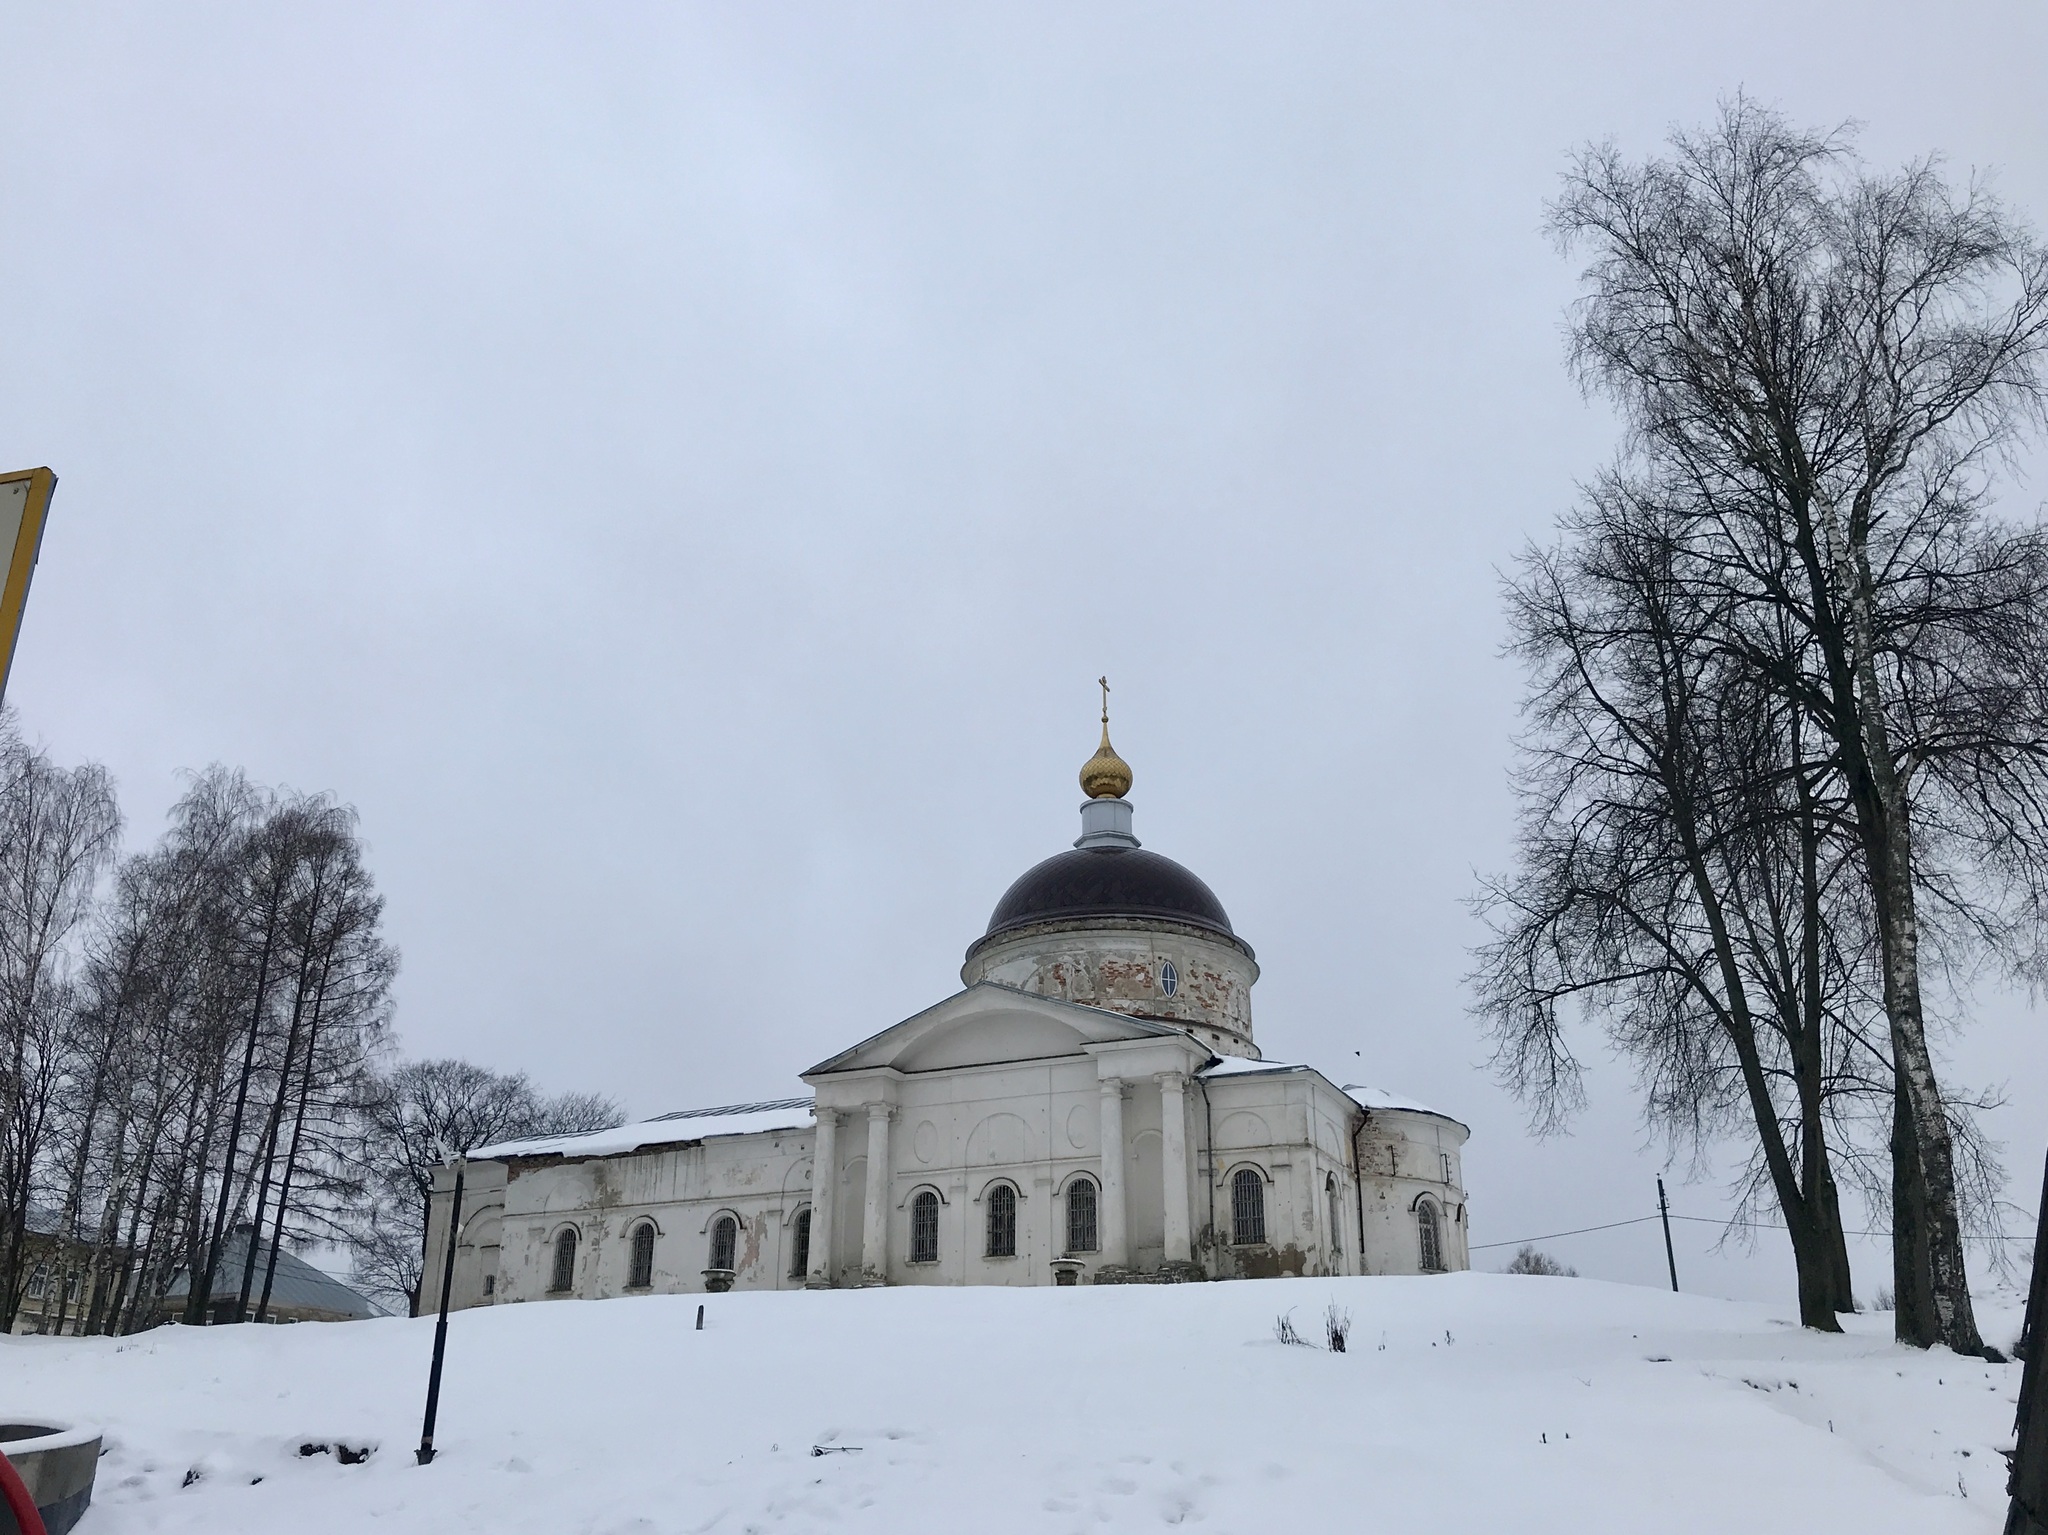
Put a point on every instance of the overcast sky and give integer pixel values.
(679, 473)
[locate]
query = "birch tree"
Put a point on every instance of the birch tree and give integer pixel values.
(1831, 361)
(59, 830)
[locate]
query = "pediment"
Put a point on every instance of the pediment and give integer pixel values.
(990, 1024)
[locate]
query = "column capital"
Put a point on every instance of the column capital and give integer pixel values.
(881, 1111)
(1177, 1080)
(1114, 1087)
(828, 1116)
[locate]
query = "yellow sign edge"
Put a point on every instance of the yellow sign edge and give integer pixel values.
(21, 567)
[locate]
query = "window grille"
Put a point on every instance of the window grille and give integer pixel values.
(1336, 1211)
(800, 1260)
(1431, 1237)
(725, 1241)
(1445, 1158)
(642, 1274)
(924, 1227)
(1247, 1207)
(39, 1282)
(490, 1288)
(564, 1276)
(1002, 1221)
(1081, 1236)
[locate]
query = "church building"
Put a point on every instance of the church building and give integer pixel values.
(1091, 1108)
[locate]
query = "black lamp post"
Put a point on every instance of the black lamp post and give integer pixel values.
(426, 1449)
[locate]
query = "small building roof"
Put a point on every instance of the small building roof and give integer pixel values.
(299, 1286)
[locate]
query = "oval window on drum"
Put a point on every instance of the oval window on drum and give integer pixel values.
(1169, 979)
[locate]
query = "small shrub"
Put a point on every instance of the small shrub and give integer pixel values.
(1336, 1327)
(1283, 1329)
(1530, 1261)
(1884, 1299)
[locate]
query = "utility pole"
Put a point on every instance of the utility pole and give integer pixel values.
(425, 1453)
(1664, 1211)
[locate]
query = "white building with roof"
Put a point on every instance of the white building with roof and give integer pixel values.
(1090, 1109)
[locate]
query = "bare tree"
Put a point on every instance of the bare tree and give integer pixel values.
(58, 832)
(1527, 1260)
(342, 973)
(412, 1118)
(1677, 872)
(234, 993)
(1830, 361)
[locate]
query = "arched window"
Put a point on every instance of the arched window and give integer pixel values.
(1431, 1235)
(563, 1279)
(641, 1275)
(800, 1258)
(1247, 1207)
(1081, 1237)
(1002, 1221)
(725, 1241)
(1336, 1211)
(924, 1227)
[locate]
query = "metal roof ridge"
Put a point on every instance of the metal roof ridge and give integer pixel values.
(765, 1106)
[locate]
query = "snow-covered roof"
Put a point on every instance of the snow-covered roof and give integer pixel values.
(1364, 1097)
(662, 1130)
(1380, 1098)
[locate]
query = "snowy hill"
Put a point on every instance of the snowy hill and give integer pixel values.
(1468, 1402)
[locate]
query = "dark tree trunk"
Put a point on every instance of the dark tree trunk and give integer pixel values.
(1913, 1318)
(2028, 1483)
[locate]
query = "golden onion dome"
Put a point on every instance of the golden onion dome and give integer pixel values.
(1105, 775)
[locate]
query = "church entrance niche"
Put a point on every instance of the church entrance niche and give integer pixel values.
(849, 1225)
(1145, 1199)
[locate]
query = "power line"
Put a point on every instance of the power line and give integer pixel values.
(1519, 1241)
(1703, 1220)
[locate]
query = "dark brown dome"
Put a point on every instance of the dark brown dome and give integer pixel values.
(1108, 882)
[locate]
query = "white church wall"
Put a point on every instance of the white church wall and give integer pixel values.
(1034, 1126)
(1266, 1124)
(477, 1254)
(761, 1180)
(1409, 1157)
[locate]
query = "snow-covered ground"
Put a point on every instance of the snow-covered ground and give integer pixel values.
(1469, 1402)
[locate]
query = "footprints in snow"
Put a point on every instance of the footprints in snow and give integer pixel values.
(1171, 1494)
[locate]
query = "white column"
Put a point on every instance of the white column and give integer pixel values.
(1114, 1240)
(824, 1199)
(874, 1252)
(1173, 1138)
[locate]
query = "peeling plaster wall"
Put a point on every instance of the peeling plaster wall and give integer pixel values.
(764, 1180)
(1116, 964)
(1404, 1155)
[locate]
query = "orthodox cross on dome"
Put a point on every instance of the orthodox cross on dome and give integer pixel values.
(1105, 775)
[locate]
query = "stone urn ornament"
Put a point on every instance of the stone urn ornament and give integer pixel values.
(54, 1464)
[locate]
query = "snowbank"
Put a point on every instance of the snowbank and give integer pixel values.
(1466, 1402)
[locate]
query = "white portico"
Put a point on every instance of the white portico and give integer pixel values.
(1001, 1094)
(1090, 1108)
